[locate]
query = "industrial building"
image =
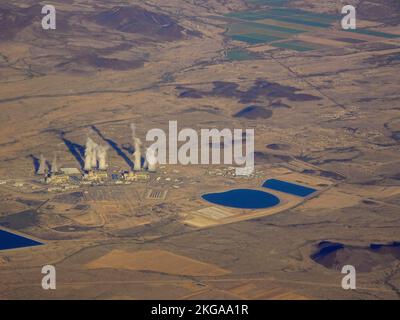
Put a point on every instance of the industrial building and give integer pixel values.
(95, 167)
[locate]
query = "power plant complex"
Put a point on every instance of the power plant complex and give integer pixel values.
(95, 166)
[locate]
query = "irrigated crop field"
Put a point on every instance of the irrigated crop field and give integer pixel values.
(280, 26)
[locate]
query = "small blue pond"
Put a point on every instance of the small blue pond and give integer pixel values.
(287, 187)
(12, 241)
(243, 199)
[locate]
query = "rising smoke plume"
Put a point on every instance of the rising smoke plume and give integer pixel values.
(54, 165)
(137, 143)
(95, 156)
(137, 155)
(151, 160)
(88, 154)
(42, 165)
(133, 129)
(101, 153)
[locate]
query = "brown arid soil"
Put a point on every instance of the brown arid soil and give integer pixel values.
(326, 118)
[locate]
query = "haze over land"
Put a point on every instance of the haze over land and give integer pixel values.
(324, 104)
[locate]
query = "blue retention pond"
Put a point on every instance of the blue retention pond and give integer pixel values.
(12, 241)
(287, 187)
(243, 199)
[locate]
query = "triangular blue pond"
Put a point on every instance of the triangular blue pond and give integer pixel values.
(12, 241)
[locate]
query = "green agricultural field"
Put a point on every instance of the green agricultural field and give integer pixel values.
(300, 14)
(239, 55)
(250, 28)
(253, 32)
(288, 15)
(270, 27)
(375, 33)
(295, 45)
(254, 38)
(258, 28)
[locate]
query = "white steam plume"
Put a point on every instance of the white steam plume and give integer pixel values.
(42, 165)
(90, 154)
(102, 157)
(151, 160)
(137, 156)
(94, 155)
(54, 165)
(133, 128)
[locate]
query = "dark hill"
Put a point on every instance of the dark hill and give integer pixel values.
(386, 11)
(15, 19)
(134, 19)
(364, 259)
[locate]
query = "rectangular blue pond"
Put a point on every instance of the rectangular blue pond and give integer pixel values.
(287, 187)
(12, 241)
